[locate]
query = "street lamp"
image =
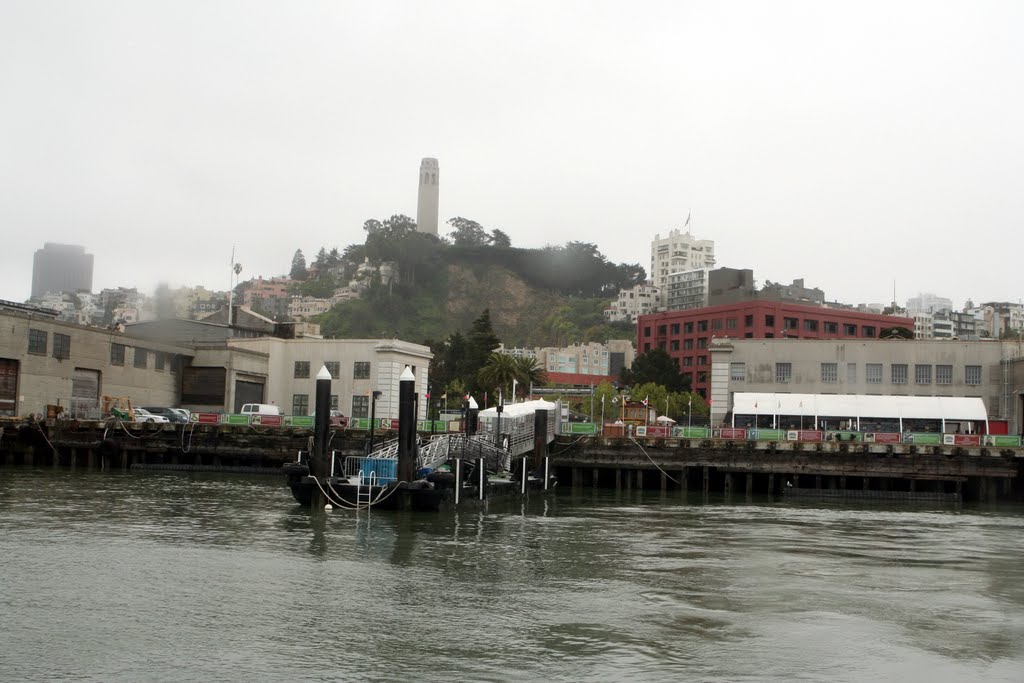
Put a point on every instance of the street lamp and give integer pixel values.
(373, 415)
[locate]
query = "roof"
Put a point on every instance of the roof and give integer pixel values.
(519, 409)
(860, 405)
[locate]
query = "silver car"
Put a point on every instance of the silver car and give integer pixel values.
(143, 415)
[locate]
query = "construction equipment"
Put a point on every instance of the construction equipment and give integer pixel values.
(118, 406)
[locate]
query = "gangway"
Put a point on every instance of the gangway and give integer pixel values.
(515, 424)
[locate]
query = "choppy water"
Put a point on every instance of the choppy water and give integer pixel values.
(151, 576)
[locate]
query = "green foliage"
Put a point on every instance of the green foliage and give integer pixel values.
(298, 271)
(467, 233)
(321, 287)
(655, 367)
(500, 239)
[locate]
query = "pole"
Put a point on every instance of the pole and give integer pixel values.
(373, 416)
(602, 415)
(322, 422)
(406, 468)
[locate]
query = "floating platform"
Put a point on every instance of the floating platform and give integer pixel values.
(437, 492)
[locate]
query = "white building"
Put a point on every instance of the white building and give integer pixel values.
(592, 358)
(687, 289)
(677, 253)
(927, 303)
(358, 367)
(633, 302)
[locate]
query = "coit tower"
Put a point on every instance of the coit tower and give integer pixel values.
(426, 207)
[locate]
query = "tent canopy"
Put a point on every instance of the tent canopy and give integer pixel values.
(860, 405)
(519, 409)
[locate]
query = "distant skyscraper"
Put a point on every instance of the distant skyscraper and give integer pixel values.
(426, 207)
(61, 268)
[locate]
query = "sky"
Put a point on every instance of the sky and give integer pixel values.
(867, 147)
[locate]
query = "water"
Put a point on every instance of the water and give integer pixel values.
(154, 576)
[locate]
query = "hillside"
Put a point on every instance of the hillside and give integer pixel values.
(454, 294)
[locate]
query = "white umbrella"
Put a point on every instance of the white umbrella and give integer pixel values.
(665, 419)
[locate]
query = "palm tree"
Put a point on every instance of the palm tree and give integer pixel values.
(498, 372)
(529, 372)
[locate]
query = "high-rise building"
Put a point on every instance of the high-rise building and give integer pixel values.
(426, 206)
(678, 253)
(61, 268)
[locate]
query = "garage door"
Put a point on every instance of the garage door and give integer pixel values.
(8, 386)
(247, 392)
(85, 393)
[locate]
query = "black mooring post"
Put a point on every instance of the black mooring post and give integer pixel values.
(406, 426)
(497, 431)
(319, 464)
(540, 436)
(472, 417)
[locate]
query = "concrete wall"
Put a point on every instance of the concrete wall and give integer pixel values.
(761, 356)
(387, 359)
(43, 379)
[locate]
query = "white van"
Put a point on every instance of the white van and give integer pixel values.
(260, 409)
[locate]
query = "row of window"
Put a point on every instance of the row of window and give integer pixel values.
(140, 357)
(788, 325)
(360, 404)
(899, 373)
(38, 343)
(360, 370)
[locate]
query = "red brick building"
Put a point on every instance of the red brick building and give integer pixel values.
(686, 335)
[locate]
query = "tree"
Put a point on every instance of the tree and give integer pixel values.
(657, 367)
(467, 233)
(497, 374)
(500, 239)
(481, 343)
(298, 271)
(529, 372)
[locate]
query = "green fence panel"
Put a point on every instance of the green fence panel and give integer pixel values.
(692, 432)
(299, 420)
(923, 438)
(235, 419)
(1001, 441)
(359, 423)
(768, 434)
(579, 428)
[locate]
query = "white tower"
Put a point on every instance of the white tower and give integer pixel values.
(426, 207)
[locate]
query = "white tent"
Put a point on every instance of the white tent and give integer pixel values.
(856, 406)
(665, 419)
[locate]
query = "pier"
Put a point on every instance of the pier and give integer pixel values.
(712, 466)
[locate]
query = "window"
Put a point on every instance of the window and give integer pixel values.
(730, 323)
(141, 358)
(688, 361)
(943, 374)
(769, 321)
(867, 331)
(360, 406)
(748, 321)
(737, 372)
(361, 369)
(873, 373)
(702, 377)
(333, 367)
(158, 361)
(647, 332)
(702, 325)
(117, 354)
(851, 373)
(662, 330)
(849, 330)
(300, 404)
(674, 328)
(790, 323)
(334, 401)
(831, 327)
(647, 347)
(61, 345)
(702, 343)
(688, 328)
(972, 374)
(688, 344)
(702, 360)
(37, 341)
(923, 374)
(673, 345)
(783, 372)
(716, 324)
(301, 372)
(830, 373)
(899, 373)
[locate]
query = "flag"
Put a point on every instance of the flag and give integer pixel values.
(645, 399)
(445, 395)
(687, 223)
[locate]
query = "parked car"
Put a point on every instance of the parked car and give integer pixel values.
(143, 415)
(171, 414)
(187, 414)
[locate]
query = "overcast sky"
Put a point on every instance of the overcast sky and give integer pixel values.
(852, 144)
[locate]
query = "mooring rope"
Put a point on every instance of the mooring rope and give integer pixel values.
(358, 506)
(633, 439)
